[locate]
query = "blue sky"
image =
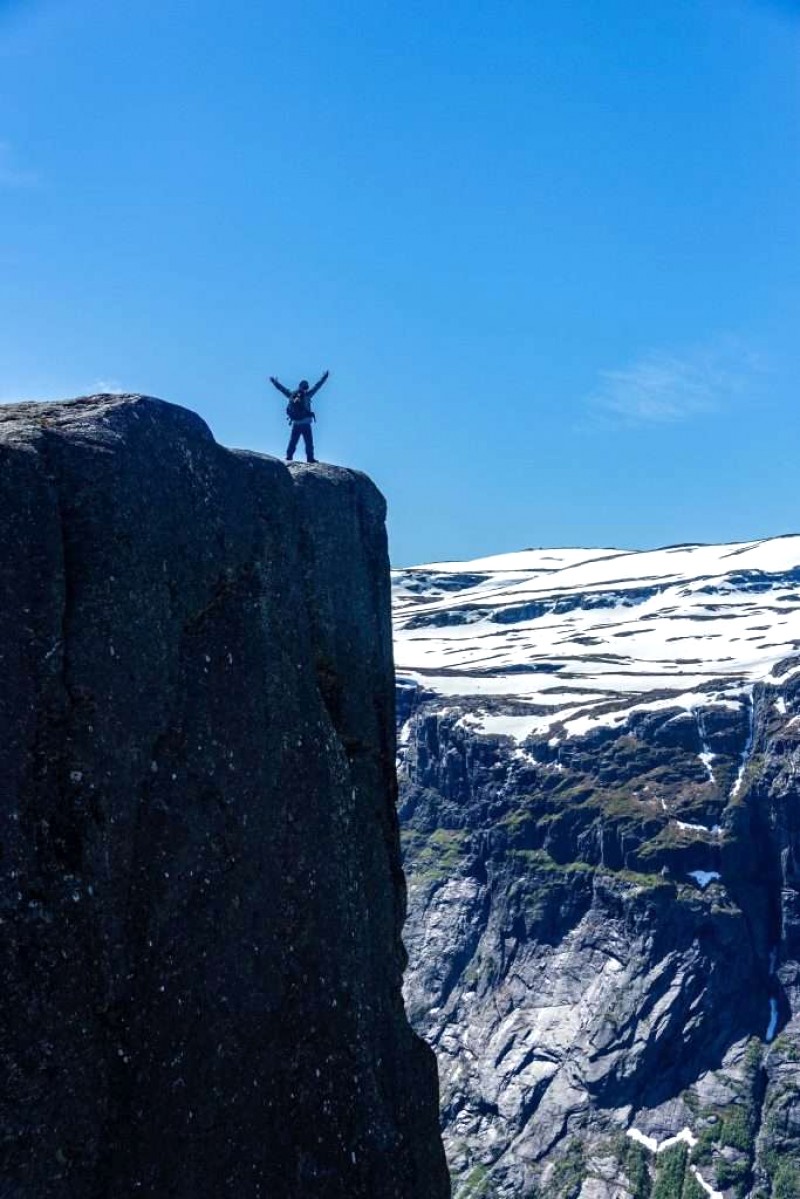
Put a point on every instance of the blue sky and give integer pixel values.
(549, 251)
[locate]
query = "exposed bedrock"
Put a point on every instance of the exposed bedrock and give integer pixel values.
(201, 897)
(604, 937)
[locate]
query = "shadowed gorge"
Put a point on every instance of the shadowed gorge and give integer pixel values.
(201, 897)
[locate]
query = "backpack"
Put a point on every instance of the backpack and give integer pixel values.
(299, 409)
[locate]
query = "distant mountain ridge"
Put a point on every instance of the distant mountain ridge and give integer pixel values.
(599, 755)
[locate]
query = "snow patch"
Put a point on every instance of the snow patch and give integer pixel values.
(706, 757)
(692, 828)
(642, 1139)
(516, 727)
(748, 749)
(772, 1027)
(783, 676)
(715, 831)
(685, 1136)
(468, 720)
(575, 629)
(525, 757)
(581, 725)
(707, 1187)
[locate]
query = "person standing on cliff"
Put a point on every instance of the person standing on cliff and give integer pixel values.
(299, 414)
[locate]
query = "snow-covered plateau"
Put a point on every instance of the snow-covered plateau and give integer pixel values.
(580, 637)
(599, 755)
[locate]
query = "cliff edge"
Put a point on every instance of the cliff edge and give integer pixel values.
(200, 890)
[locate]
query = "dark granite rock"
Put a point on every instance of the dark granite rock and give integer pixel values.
(200, 895)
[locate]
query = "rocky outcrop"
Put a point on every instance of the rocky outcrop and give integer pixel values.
(201, 897)
(603, 942)
(604, 928)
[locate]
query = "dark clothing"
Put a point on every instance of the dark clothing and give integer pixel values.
(283, 390)
(306, 393)
(301, 429)
(300, 415)
(299, 410)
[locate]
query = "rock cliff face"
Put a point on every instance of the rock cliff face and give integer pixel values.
(200, 890)
(600, 793)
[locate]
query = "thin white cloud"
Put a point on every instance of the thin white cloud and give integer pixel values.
(665, 388)
(11, 175)
(107, 387)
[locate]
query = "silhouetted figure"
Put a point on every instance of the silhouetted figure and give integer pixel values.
(299, 414)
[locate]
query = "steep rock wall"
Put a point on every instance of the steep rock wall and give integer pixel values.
(200, 891)
(603, 937)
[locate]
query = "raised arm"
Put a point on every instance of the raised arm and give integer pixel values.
(313, 391)
(284, 390)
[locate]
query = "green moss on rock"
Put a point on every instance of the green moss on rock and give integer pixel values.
(635, 1163)
(670, 1172)
(786, 1181)
(569, 1173)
